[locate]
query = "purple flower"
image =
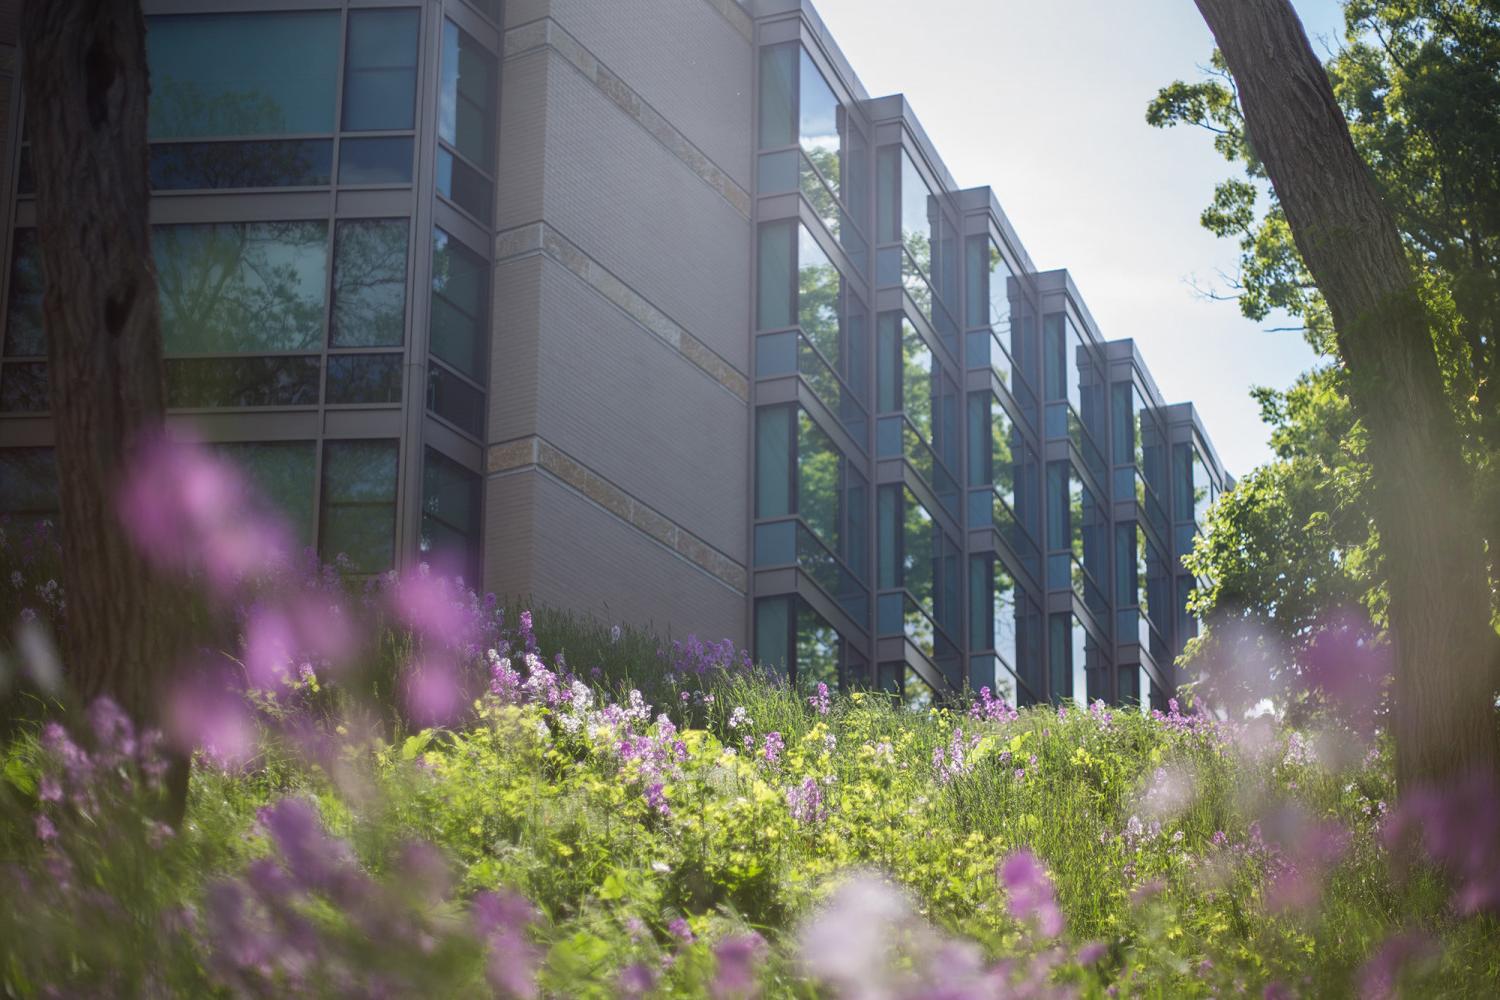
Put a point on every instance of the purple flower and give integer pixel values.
(771, 747)
(820, 702)
(1381, 975)
(636, 980)
(737, 959)
(502, 920)
(48, 790)
(805, 801)
(678, 928)
(433, 694)
(46, 832)
(656, 798)
(1459, 825)
(1030, 894)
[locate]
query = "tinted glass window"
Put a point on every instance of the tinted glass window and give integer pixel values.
(772, 626)
(383, 160)
(188, 166)
(209, 382)
(450, 515)
(380, 70)
(24, 336)
(283, 472)
(460, 299)
(919, 215)
(242, 74)
(463, 185)
(242, 287)
(773, 456)
(466, 113)
(778, 71)
(23, 387)
(364, 378)
(369, 283)
(455, 400)
(359, 504)
(28, 486)
(778, 250)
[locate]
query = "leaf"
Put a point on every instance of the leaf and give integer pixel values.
(414, 745)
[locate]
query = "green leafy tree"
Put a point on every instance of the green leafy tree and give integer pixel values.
(1419, 83)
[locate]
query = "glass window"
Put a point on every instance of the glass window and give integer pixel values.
(463, 185)
(819, 117)
(197, 383)
(450, 516)
(380, 70)
(1076, 662)
(466, 98)
(242, 74)
(24, 335)
(369, 283)
(28, 487)
(364, 378)
(1195, 487)
(778, 70)
(922, 544)
(359, 504)
(23, 387)
(375, 160)
(772, 629)
(455, 400)
(819, 296)
(773, 462)
(777, 259)
(460, 300)
(245, 287)
(283, 472)
(255, 163)
(908, 374)
(1063, 347)
(819, 482)
(818, 647)
(989, 287)
(919, 216)
(1077, 524)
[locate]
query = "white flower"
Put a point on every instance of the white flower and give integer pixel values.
(660, 866)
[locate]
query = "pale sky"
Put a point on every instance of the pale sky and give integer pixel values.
(1061, 87)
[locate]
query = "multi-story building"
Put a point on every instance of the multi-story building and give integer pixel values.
(646, 309)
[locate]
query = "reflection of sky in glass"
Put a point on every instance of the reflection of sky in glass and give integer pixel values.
(917, 214)
(448, 85)
(819, 125)
(1005, 612)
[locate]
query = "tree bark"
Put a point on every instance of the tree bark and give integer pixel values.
(86, 88)
(1444, 714)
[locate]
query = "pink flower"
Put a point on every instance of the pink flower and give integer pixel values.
(1030, 894)
(737, 958)
(433, 694)
(46, 832)
(192, 512)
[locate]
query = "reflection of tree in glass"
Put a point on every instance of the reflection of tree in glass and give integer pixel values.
(242, 287)
(359, 504)
(181, 166)
(282, 472)
(817, 649)
(1005, 443)
(919, 567)
(818, 482)
(819, 293)
(369, 283)
(181, 107)
(825, 205)
(918, 381)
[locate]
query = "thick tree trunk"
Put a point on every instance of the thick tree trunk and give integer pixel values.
(86, 88)
(1445, 722)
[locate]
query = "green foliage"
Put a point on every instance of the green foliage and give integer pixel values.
(1419, 82)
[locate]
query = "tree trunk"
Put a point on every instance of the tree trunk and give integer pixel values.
(86, 89)
(1445, 720)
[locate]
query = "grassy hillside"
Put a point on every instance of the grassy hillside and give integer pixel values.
(721, 835)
